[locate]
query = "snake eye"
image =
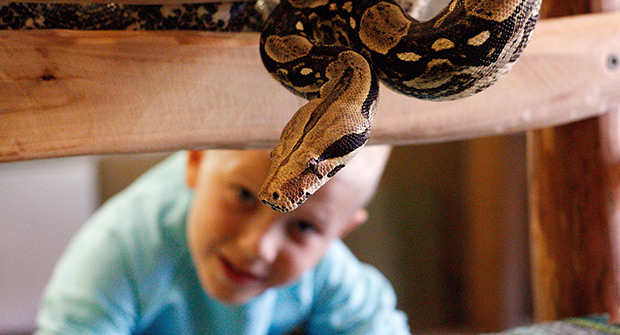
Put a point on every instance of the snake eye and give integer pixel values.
(275, 196)
(312, 165)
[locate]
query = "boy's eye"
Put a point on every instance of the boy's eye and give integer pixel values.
(302, 228)
(245, 196)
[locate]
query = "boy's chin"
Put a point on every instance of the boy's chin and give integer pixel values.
(231, 296)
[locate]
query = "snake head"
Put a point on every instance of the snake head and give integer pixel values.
(312, 149)
(294, 178)
(323, 135)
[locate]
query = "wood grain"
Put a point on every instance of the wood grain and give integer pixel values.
(571, 255)
(571, 216)
(77, 92)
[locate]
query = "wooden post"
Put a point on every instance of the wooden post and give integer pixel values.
(572, 178)
(610, 130)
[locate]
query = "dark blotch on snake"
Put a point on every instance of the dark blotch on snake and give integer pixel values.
(345, 145)
(335, 170)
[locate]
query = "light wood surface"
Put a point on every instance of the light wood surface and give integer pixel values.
(88, 92)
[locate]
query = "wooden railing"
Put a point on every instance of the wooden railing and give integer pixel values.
(88, 92)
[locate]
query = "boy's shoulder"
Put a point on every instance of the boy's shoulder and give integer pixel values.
(157, 200)
(147, 218)
(130, 252)
(164, 182)
(341, 292)
(339, 267)
(337, 270)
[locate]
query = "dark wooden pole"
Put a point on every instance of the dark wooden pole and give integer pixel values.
(574, 207)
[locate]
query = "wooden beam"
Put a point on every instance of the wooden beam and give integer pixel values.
(571, 184)
(89, 92)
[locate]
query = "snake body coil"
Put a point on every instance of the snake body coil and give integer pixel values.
(332, 52)
(227, 16)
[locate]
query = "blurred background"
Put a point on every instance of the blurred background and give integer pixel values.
(448, 228)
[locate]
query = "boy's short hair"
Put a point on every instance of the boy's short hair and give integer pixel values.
(364, 171)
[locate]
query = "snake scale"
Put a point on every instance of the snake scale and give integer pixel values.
(333, 53)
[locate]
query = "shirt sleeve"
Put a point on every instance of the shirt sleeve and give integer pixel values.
(353, 298)
(108, 279)
(90, 291)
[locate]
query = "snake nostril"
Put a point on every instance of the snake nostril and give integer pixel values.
(275, 196)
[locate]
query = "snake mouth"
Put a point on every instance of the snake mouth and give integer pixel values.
(274, 206)
(275, 199)
(282, 200)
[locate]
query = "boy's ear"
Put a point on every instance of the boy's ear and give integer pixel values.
(357, 219)
(194, 158)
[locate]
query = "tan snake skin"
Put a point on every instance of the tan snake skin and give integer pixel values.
(333, 52)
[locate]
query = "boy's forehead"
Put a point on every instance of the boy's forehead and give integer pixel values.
(252, 160)
(251, 166)
(341, 193)
(365, 170)
(240, 154)
(358, 180)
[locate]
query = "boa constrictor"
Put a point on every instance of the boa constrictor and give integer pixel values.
(212, 16)
(333, 52)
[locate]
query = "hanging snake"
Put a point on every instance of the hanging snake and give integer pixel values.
(333, 53)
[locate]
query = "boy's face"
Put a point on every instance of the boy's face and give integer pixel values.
(241, 247)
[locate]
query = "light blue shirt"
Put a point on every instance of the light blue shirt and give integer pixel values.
(129, 271)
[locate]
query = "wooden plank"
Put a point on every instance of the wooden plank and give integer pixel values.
(88, 92)
(571, 214)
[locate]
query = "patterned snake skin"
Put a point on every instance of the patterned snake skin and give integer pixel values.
(232, 16)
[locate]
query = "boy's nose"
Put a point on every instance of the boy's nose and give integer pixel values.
(260, 241)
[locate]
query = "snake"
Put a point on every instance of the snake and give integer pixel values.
(333, 53)
(240, 16)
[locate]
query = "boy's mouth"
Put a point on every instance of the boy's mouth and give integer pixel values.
(237, 274)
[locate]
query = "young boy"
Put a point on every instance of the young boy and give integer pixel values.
(189, 249)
